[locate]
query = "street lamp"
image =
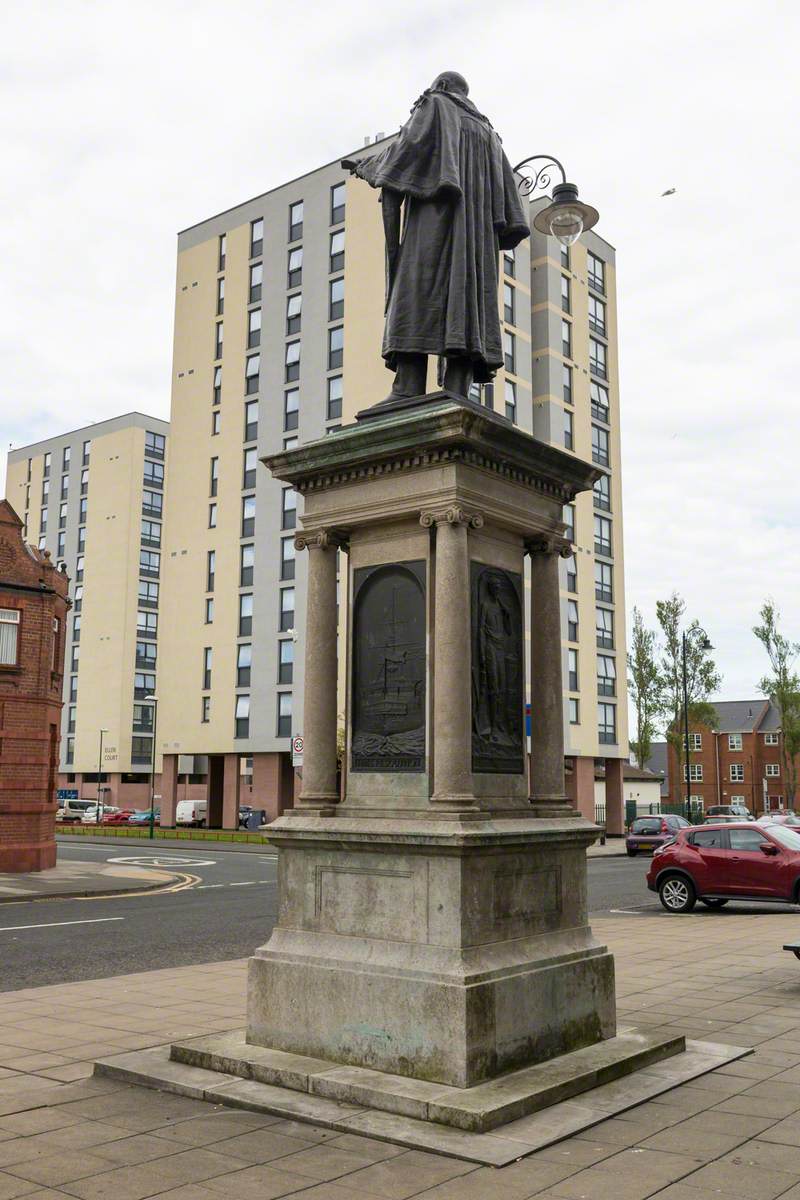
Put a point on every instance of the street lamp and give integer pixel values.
(154, 701)
(704, 644)
(566, 217)
(99, 773)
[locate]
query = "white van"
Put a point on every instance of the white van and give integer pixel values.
(191, 812)
(76, 810)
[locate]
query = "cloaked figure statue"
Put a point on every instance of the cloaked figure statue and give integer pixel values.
(448, 181)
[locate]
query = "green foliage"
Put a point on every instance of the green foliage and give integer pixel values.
(644, 681)
(782, 686)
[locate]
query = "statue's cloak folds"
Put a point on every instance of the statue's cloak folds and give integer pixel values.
(461, 208)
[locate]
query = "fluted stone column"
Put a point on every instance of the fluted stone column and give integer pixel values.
(547, 784)
(452, 695)
(319, 707)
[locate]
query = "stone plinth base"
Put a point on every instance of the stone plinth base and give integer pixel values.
(446, 951)
(27, 836)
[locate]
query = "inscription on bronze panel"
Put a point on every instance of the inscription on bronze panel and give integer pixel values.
(498, 660)
(389, 668)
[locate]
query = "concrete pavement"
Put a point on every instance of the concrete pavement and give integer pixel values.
(732, 1133)
(67, 880)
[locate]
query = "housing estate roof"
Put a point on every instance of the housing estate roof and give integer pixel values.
(739, 716)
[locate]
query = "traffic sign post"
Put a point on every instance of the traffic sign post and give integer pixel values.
(297, 750)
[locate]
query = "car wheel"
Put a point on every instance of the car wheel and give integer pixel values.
(632, 853)
(713, 903)
(677, 894)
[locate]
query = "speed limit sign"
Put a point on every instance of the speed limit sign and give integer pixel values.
(297, 751)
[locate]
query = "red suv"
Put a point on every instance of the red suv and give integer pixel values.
(718, 863)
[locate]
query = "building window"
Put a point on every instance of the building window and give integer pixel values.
(249, 468)
(338, 200)
(599, 401)
(287, 558)
(288, 508)
(84, 481)
(211, 568)
(296, 221)
(66, 455)
(46, 466)
(205, 709)
(151, 533)
(213, 482)
(510, 394)
(572, 679)
(209, 610)
(81, 539)
(83, 507)
(217, 387)
(9, 636)
(734, 741)
(568, 437)
(566, 383)
(572, 574)
(149, 564)
(510, 352)
(508, 263)
(772, 769)
(597, 272)
(601, 493)
(70, 755)
(153, 476)
(45, 491)
(607, 724)
(574, 711)
(223, 242)
(565, 256)
(251, 372)
(152, 503)
(77, 600)
(75, 656)
(76, 626)
(292, 361)
(64, 487)
(148, 594)
(295, 268)
(695, 741)
(294, 312)
(286, 609)
(143, 685)
(597, 315)
(737, 772)
(253, 328)
(285, 661)
(242, 717)
(244, 658)
(291, 409)
(695, 773)
(336, 299)
(219, 334)
(248, 516)
(566, 339)
(572, 620)
(509, 307)
(143, 718)
(565, 295)
(61, 548)
(606, 676)
(334, 397)
(147, 624)
(604, 628)
(337, 251)
(770, 739)
(597, 358)
(43, 520)
(145, 654)
(335, 347)
(251, 421)
(220, 296)
(568, 517)
(247, 558)
(154, 446)
(284, 714)
(603, 582)
(212, 516)
(216, 422)
(62, 515)
(245, 614)
(602, 536)
(208, 655)
(256, 237)
(256, 279)
(87, 450)
(73, 686)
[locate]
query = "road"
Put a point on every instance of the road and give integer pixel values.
(227, 913)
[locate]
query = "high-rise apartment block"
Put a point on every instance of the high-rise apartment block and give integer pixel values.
(278, 322)
(94, 498)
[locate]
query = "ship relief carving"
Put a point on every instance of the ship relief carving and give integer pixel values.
(497, 670)
(389, 661)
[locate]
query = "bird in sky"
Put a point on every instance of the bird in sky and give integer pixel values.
(669, 192)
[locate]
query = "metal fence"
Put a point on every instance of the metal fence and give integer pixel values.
(695, 815)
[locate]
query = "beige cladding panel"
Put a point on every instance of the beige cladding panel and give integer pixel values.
(365, 378)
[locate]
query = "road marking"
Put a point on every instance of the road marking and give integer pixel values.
(205, 886)
(164, 860)
(246, 883)
(52, 924)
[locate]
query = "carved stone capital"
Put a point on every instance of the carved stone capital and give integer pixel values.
(323, 539)
(450, 516)
(549, 543)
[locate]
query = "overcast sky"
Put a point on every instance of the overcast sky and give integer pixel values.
(123, 123)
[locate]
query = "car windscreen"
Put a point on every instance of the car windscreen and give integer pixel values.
(646, 825)
(789, 838)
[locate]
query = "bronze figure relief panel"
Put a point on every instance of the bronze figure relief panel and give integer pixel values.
(498, 665)
(389, 668)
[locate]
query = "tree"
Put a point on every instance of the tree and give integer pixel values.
(783, 689)
(644, 681)
(702, 677)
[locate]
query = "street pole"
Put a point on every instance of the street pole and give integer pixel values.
(99, 773)
(154, 700)
(686, 731)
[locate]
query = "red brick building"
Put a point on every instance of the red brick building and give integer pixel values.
(33, 609)
(741, 761)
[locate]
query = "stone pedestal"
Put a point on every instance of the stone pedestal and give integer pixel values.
(433, 925)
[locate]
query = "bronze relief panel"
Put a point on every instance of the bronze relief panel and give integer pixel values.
(498, 664)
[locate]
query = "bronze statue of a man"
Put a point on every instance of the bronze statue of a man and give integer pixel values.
(448, 175)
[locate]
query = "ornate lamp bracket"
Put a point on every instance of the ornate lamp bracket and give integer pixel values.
(532, 178)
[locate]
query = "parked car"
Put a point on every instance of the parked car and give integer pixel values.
(718, 863)
(191, 812)
(119, 817)
(646, 833)
(728, 812)
(75, 810)
(783, 817)
(90, 816)
(142, 817)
